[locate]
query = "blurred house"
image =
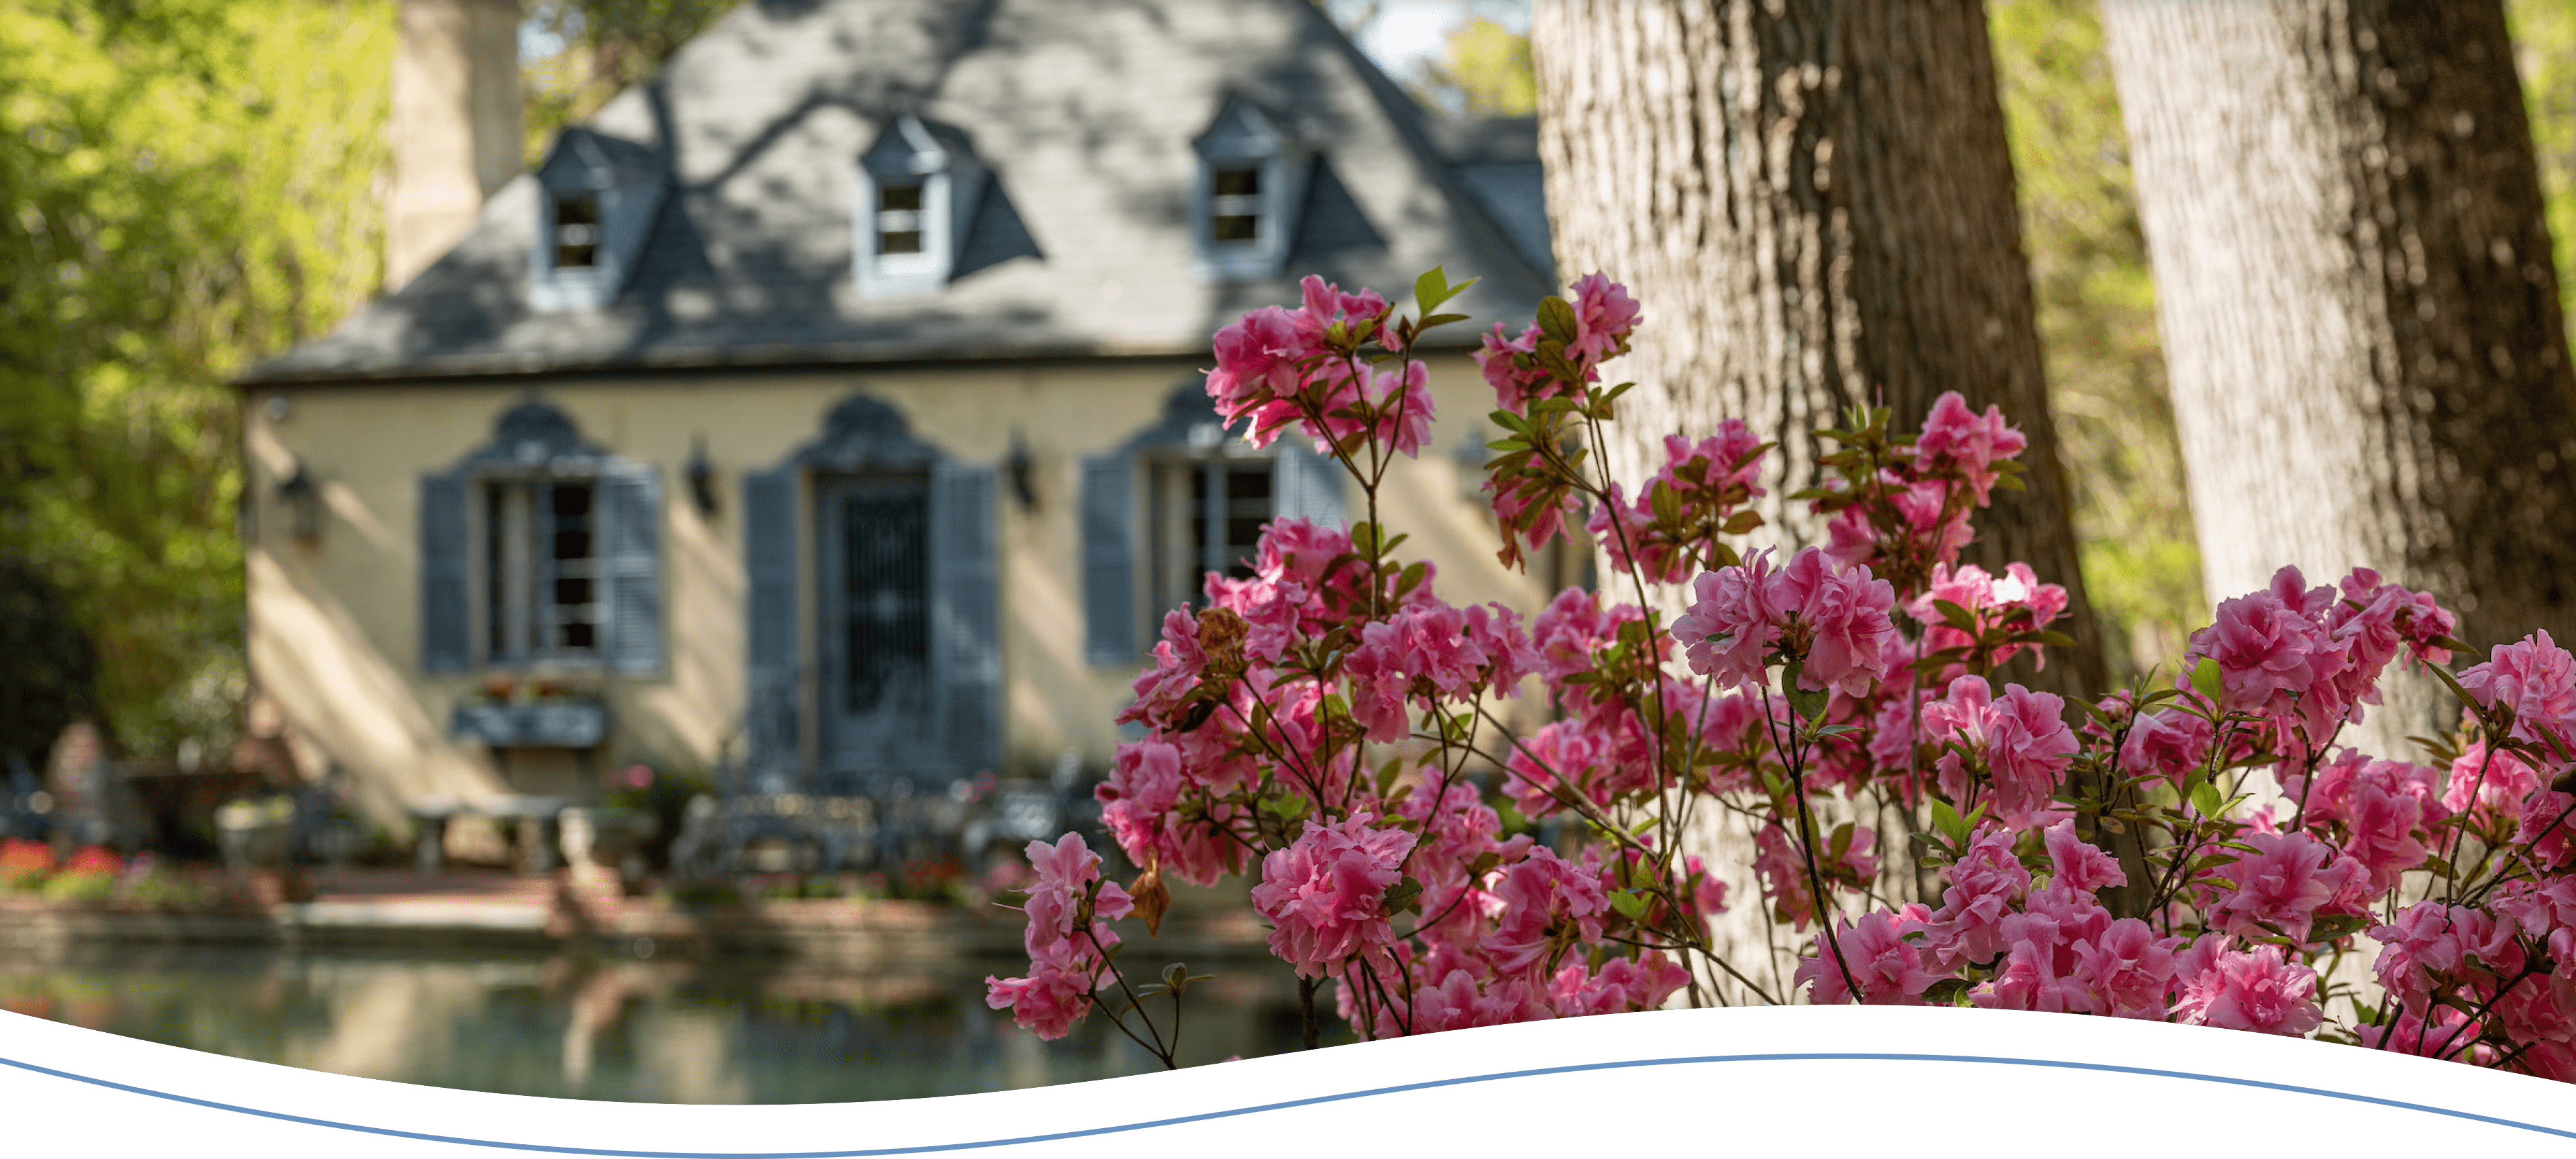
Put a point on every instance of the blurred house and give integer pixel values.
(830, 407)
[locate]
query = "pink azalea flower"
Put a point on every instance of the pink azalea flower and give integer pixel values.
(2430, 939)
(1514, 386)
(2128, 970)
(2259, 991)
(1548, 902)
(1840, 615)
(2498, 784)
(2280, 889)
(1708, 891)
(1325, 895)
(2022, 738)
(2017, 597)
(1887, 968)
(1065, 870)
(2384, 839)
(1835, 620)
(1054, 996)
(1619, 986)
(2170, 743)
(2079, 866)
(2274, 657)
(1604, 315)
(2536, 679)
(1730, 629)
(1959, 439)
(1986, 883)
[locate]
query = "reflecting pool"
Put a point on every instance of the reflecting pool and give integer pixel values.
(654, 1030)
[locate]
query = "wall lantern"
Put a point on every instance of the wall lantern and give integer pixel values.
(1022, 469)
(303, 500)
(702, 478)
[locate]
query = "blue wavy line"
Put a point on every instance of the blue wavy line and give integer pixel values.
(1308, 1102)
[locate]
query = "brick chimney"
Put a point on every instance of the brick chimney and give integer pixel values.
(456, 134)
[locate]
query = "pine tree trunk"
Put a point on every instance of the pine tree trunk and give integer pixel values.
(1814, 202)
(2354, 284)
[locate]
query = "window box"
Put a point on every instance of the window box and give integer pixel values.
(563, 724)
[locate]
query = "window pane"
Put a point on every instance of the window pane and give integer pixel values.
(1235, 227)
(572, 597)
(496, 587)
(1238, 182)
(576, 232)
(899, 241)
(899, 197)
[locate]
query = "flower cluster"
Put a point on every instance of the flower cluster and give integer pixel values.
(1331, 727)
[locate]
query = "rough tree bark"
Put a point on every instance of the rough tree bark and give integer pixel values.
(2354, 284)
(1814, 202)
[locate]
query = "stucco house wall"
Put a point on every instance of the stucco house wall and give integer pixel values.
(336, 632)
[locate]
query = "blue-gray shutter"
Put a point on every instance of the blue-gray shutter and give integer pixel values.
(446, 611)
(770, 708)
(1309, 486)
(630, 567)
(1109, 559)
(965, 613)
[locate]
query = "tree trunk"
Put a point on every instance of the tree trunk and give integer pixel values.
(2353, 279)
(1814, 202)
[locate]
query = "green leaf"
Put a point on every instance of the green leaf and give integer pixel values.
(1556, 320)
(1946, 992)
(2204, 678)
(1401, 896)
(1386, 774)
(1630, 904)
(1431, 289)
(1955, 616)
(1946, 819)
(2205, 798)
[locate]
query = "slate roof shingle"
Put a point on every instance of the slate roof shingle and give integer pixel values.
(1083, 109)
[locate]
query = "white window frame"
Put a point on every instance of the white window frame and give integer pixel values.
(909, 153)
(1240, 137)
(1167, 578)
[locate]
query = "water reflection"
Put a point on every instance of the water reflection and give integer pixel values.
(622, 1030)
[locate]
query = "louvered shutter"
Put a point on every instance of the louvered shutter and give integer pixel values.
(630, 567)
(1309, 485)
(446, 613)
(770, 709)
(1109, 559)
(965, 630)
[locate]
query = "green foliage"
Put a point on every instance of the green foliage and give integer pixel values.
(188, 188)
(2097, 325)
(1488, 72)
(607, 47)
(2544, 41)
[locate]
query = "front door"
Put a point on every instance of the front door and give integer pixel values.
(874, 603)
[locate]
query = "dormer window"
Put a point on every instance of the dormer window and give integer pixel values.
(1234, 204)
(898, 219)
(1252, 180)
(596, 199)
(576, 231)
(918, 187)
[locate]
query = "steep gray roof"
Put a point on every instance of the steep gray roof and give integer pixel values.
(1084, 111)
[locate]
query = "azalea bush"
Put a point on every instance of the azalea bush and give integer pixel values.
(2191, 851)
